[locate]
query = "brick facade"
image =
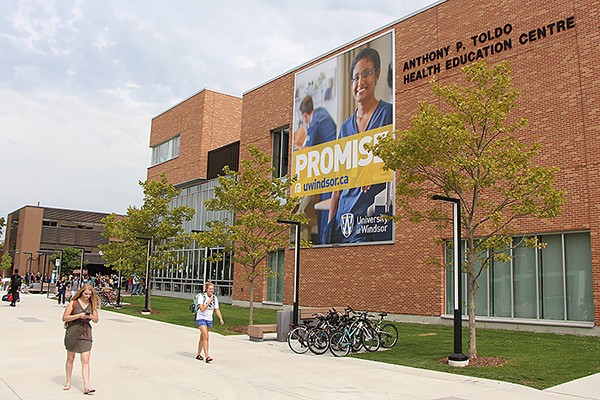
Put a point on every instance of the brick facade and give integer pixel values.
(205, 121)
(557, 76)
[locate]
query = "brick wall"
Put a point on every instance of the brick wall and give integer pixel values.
(205, 121)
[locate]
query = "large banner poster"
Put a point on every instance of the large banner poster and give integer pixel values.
(340, 105)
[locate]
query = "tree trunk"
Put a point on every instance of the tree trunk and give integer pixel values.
(471, 312)
(472, 288)
(251, 305)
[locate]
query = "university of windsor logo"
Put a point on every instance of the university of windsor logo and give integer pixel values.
(347, 224)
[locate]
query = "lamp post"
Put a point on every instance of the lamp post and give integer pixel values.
(146, 309)
(456, 359)
(45, 253)
(296, 267)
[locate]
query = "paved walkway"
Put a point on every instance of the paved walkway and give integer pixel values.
(135, 358)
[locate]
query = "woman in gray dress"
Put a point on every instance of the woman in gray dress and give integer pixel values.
(82, 309)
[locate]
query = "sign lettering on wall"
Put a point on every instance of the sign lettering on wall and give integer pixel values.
(484, 44)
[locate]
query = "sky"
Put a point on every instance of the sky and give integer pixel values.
(80, 81)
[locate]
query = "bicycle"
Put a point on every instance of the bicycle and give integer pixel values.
(356, 332)
(315, 338)
(318, 336)
(388, 333)
(297, 338)
(107, 296)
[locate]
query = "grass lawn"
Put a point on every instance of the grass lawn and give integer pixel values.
(539, 360)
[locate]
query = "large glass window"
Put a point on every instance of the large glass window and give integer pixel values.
(580, 302)
(525, 282)
(552, 298)
(275, 276)
(165, 151)
(280, 152)
(553, 283)
(500, 289)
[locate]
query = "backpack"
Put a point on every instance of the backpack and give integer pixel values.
(194, 305)
(18, 281)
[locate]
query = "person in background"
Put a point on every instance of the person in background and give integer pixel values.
(82, 309)
(61, 286)
(207, 304)
(15, 287)
(321, 128)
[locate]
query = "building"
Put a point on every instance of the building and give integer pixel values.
(34, 233)
(191, 143)
(552, 49)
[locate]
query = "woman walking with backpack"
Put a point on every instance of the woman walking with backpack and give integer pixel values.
(207, 304)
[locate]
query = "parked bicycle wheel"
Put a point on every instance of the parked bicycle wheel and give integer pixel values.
(338, 344)
(356, 341)
(370, 339)
(318, 340)
(298, 340)
(388, 335)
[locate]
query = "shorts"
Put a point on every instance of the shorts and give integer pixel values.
(204, 322)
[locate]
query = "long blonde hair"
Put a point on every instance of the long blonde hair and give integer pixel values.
(94, 299)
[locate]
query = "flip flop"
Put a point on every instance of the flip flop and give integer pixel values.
(88, 391)
(67, 387)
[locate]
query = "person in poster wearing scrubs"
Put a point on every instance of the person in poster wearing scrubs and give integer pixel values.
(349, 210)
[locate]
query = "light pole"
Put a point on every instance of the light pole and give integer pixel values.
(296, 267)
(146, 309)
(456, 359)
(45, 253)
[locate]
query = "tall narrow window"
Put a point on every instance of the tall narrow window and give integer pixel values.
(525, 277)
(280, 151)
(275, 278)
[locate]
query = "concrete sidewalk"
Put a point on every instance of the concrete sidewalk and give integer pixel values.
(135, 358)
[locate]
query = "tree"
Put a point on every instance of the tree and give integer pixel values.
(71, 260)
(258, 201)
(471, 152)
(155, 224)
(6, 262)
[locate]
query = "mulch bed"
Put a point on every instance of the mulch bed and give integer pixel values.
(239, 329)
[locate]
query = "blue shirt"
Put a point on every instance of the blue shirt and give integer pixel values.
(353, 204)
(321, 128)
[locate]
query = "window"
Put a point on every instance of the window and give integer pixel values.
(549, 284)
(165, 151)
(275, 277)
(280, 151)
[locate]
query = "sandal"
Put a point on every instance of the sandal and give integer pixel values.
(199, 357)
(67, 386)
(208, 359)
(88, 391)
